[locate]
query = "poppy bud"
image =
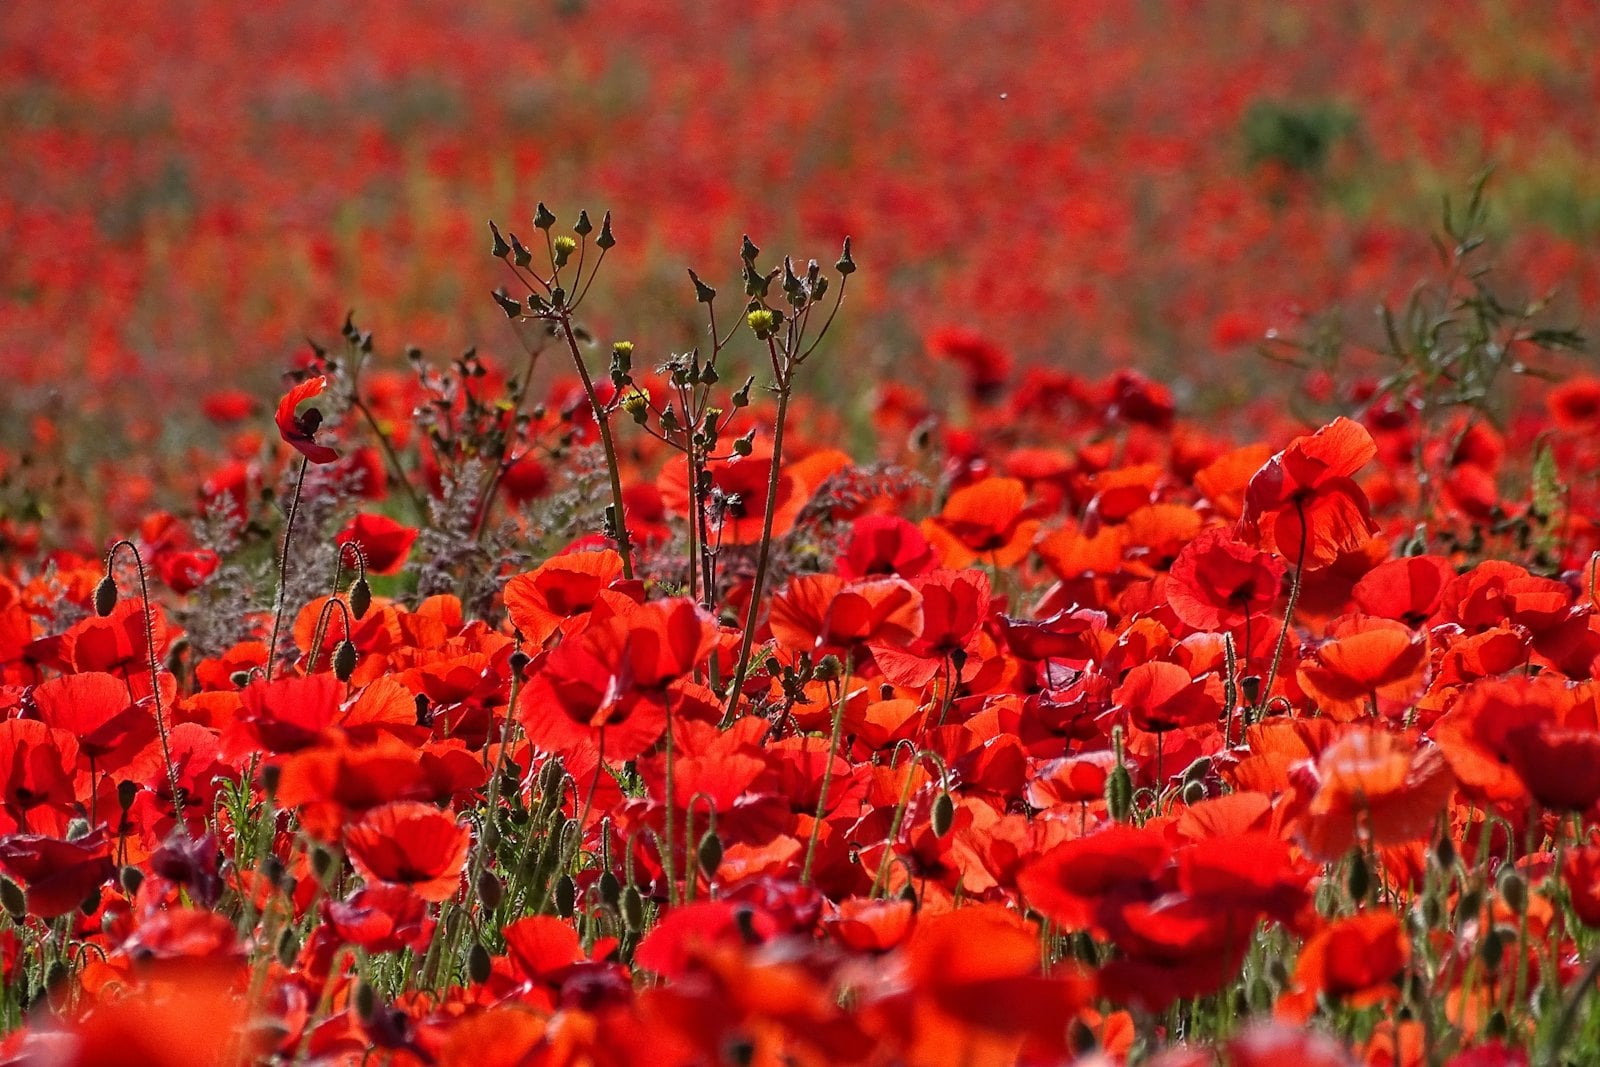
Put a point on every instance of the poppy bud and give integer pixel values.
(944, 814)
(1358, 882)
(287, 947)
(908, 893)
(543, 217)
(91, 903)
(77, 829)
(322, 863)
(610, 889)
(344, 661)
(1492, 949)
(131, 878)
(1194, 793)
(14, 900)
(490, 890)
(1469, 905)
(56, 974)
(240, 679)
(105, 596)
(498, 249)
(1250, 686)
(709, 853)
(424, 710)
(360, 597)
(1444, 853)
(633, 909)
(126, 791)
(550, 777)
(566, 896)
(744, 917)
(1497, 1027)
(1119, 793)
(739, 1051)
(1198, 770)
(828, 669)
(1431, 913)
(1513, 889)
(479, 965)
(366, 1001)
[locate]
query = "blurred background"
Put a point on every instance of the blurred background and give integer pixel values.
(190, 191)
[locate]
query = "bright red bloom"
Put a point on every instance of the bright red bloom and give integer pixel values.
(1304, 503)
(823, 613)
(412, 844)
(1218, 582)
(882, 545)
(384, 543)
(955, 605)
(299, 430)
(564, 587)
(58, 875)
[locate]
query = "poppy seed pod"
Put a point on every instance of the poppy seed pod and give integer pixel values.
(105, 596)
(1119, 793)
(1513, 888)
(126, 791)
(366, 1001)
(944, 814)
(131, 878)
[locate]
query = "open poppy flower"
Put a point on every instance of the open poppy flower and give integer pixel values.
(562, 588)
(1356, 961)
(1220, 583)
(299, 430)
(58, 875)
(612, 683)
(1304, 505)
(411, 844)
(1373, 786)
(741, 484)
(984, 522)
(1365, 661)
(955, 605)
(823, 613)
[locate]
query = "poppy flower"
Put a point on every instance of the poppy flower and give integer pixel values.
(561, 588)
(384, 543)
(1409, 589)
(1525, 735)
(1219, 583)
(1159, 696)
(58, 875)
(823, 613)
(299, 430)
(1365, 660)
(1575, 404)
(955, 605)
(985, 364)
(1374, 786)
(984, 521)
(739, 489)
(412, 844)
(1355, 961)
(94, 708)
(612, 683)
(881, 545)
(1303, 504)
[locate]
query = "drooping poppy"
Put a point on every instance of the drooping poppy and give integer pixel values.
(411, 844)
(1304, 505)
(299, 430)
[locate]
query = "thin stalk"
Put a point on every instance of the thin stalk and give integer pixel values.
(602, 419)
(283, 565)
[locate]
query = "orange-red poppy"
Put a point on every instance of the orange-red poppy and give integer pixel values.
(411, 844)
(299, 429)
(1304, 505)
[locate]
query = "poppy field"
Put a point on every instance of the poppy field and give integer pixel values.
(585, 534)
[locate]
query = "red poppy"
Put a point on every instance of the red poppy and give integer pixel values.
(384, 543)
(1374, 786)
(881, 545)
(1159, 696)
(985, 364)
(561, 588)
(1355, 961)
(955, 605)
(58, 875)
(984, 521)
(823, 613)
(1218, 582)
(1408, 589)
(1303, 503)
(412, 844)
(1364, 661)
(299, 430)
(740, 487)
(94, 708)
(1575, 404)
(612, 683)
